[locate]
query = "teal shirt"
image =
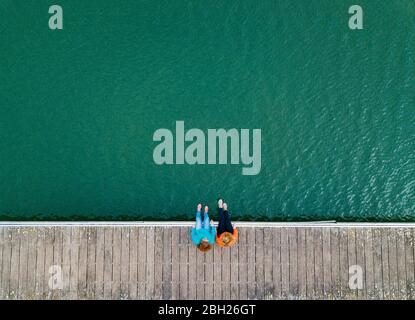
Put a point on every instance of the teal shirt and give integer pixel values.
(199, 234)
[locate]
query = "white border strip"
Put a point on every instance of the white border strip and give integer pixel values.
(320, 224)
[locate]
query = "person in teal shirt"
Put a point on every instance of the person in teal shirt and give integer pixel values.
(204, 233)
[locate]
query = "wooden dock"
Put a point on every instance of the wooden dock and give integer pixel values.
(160, 262)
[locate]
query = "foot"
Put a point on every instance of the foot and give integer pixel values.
(206, 209)
(199, 207)
(225, 207)
(220, 203)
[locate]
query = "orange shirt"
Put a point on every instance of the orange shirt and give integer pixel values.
(234, 236)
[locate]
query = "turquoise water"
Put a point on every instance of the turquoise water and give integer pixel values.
(79, 106)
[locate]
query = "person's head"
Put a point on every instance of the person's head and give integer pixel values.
(204, 245)
(227, 238)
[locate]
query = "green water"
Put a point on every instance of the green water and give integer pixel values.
(79, 106)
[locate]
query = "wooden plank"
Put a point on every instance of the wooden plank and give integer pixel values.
(175, 280)
(167, 263)
(133, 268)
(91, 263)
(40, 263)
(344, 264)
(23, 263)
(335, 262)
(243, 263)
(310, 262)
(234, 270)
(125, 263)
(49, 240)
(82, 263)
(276, 263)
(410, 261)
(57, 262)
(318, 263)
(251, 263)
(108, 257)
(327, 280)
(377, 263)
(14, 274)
(6, 266)
(1, 261)
(293, 261)
(200, 270)
(142, 262)
(262, 264)
(351, 257)
(285, 264)
(393, 263)
(31, 263)
(183, 263)
(66, 260)
(208, 267)
(400, 247)
(412, 266)
(99, 263)
(116, 263)
(75, 238)
(226, 273)
(150, 264)
(195, 286)
(158, 263)
(259, 263)
(196, 269)
(268, 250)
(360, 260)
(217, 272)
(302, 266)
(369, 264)
(385, 265)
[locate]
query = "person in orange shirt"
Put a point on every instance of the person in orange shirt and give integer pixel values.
(226, 234)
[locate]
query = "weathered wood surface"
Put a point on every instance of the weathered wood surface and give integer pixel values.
(147, 262)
